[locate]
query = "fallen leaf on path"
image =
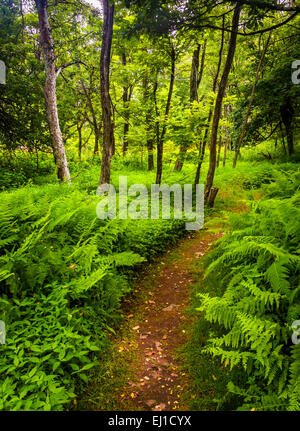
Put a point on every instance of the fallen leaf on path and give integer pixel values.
(160, 406)
(157, 345)
(170, 307)
(150, 402)
(135, 327)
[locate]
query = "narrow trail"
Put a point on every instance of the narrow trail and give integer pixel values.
(156, 382)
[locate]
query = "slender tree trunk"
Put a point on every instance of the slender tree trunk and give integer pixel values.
(108, 128)
(150, 152)
(215, 83)
(149, 125)
(157, 125)
(200, 74)
(283, 146)
(208, 196)
(79, 130)
(244, 125)
(95, 122)
(47, 45)
(282, 138)
(195, 79)
(194, 75)
(150, 140)
(287, 113)
(96, 144)
(180, 159)
(160, 142)
(37, 159)
(125, 138)
(142, 156)
(126, 113)
(202, 149)
(225, 154)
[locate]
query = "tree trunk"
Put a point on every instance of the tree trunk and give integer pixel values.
(126, 99)
(287, 113)
(194, 75)
(95, 122)
(195, 79)
(200, 74)
(148, 122)
(96, 145)
(225, 154)
(218, 105)
(282, 138)
(108, 129)
(47, 45)
(125, 138)
(150, 153)
(240, 141)
(160, 142)
(79, 129)
(193, 96)
(212, 196)
(215, 82)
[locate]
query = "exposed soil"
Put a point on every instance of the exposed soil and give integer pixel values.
(158, 383)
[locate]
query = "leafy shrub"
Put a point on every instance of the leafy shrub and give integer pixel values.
(45, 348)
(9, 179)
(22, 168)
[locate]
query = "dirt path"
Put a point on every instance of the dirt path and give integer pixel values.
(150, 346)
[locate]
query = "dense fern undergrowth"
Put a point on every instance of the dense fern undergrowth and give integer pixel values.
(63, 275)
(255, 273)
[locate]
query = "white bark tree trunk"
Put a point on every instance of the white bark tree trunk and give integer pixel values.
(47, 45)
